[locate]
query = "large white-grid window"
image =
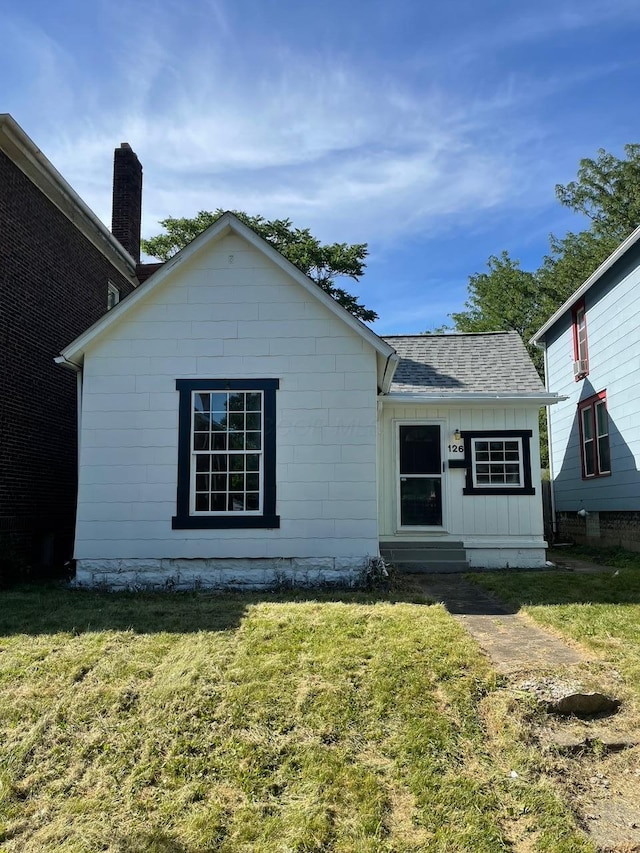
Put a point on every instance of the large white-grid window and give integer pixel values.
(227, 448)
(226, 454)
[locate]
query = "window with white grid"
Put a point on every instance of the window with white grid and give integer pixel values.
(497, 463)
(227, 452)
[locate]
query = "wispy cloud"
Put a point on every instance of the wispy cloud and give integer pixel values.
(228, 111)
(311, 139)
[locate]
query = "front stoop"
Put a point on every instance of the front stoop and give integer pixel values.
(425, 557)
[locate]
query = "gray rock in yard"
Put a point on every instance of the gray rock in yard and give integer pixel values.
(567, 698)
(583, 704)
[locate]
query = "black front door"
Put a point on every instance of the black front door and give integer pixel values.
(420, 475)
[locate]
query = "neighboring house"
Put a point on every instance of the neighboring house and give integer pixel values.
(592, 356)
(239, 427)
(60, 269)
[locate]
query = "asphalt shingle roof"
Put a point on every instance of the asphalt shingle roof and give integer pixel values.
(489, 362)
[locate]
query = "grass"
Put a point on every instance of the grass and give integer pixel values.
(191, 724)
(599, 610)
(617, 557)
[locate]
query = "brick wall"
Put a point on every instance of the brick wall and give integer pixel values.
(53, 285)
(604, 529)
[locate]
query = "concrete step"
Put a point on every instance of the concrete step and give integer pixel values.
(429, 555)
(425, 556)
(440, 567)
(398, 544)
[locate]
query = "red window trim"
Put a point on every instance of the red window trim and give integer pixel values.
(590, 403)
(579, 306)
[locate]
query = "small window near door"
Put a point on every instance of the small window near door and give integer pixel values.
(498, 463)
(113, 296)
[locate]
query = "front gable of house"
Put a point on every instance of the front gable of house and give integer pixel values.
(228, 417)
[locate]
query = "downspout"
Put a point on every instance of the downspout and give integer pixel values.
(77, 368)
(554, 526)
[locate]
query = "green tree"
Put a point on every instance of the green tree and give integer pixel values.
(607, 191)
(570, 261)
(322, 263)
(504, 298)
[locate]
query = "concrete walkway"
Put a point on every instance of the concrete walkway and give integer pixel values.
(510, 640)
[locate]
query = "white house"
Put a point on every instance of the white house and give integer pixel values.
(239, 427)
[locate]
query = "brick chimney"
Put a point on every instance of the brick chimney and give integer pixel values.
(126, 216)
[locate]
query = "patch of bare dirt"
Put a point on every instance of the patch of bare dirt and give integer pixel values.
(596, 760)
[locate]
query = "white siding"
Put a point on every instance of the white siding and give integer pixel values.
(229, 313)
(480, 521)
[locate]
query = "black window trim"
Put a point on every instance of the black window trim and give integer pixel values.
(524, 435)
(183, 520)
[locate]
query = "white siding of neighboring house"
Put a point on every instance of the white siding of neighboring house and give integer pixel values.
(496, 530)
(227, 313)
(613, 333)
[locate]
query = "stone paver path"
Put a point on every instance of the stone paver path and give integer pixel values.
(510, 640)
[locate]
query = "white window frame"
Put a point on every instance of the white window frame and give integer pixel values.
(113, 296)
(196, 453)
(504, 484)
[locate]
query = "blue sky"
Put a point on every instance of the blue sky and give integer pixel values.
(435, 131)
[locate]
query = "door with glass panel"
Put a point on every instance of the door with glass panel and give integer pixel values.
(420, 470)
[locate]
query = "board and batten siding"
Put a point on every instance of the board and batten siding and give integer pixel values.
(613, 335)
(228, 313)
(496, 530)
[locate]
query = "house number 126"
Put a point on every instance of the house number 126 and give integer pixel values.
(456, 448)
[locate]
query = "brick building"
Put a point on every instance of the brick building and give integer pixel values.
(60, 270)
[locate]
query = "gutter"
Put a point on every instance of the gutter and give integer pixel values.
(77, 368)
(51, 183)
(487, 398)
(65, 362)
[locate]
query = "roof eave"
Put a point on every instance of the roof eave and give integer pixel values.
(540, 398)
(227, 222)
(606, 265)
(26, 155)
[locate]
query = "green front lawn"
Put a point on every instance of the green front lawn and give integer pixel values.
(194, 724)
(601, 610)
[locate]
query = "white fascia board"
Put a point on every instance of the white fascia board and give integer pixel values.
(475, 399)
(220, 228)
(624, 247)
(386, 370)
(25, 154)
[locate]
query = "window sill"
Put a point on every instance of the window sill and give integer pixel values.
(499, 491)
(231, 522)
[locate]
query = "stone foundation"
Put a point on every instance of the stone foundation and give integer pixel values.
(600, 529)
(218, 573)
(506, 558)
